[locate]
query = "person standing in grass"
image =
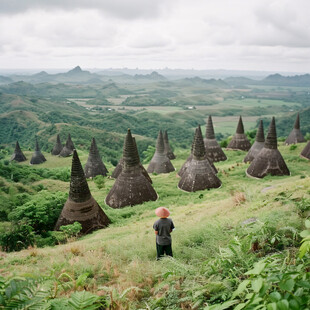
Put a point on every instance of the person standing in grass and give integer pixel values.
(163, 228)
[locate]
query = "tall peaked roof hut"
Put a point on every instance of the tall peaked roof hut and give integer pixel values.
(68, 148)
(269, 160)
(188, 160)
(118, 169)
(81, 206)
(258, 144)
(131, 187)
(199, 174)
(94, 165)
(190, 157)
(160, 162)
(305, 153)
(295, 136)
(213, 150)
(57, 147)
(143, 170)
(18, 154)
(167, 148)
(239, 140)
(37, 156)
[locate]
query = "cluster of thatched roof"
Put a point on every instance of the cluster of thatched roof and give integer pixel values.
(198, 174)
(269, 160)
(160, 162)
(213, 149)
(133, 185)
(239, 140)
(258, 144)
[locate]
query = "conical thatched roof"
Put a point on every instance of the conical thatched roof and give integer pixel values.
(306, 151)
(160, 163)
(143, 170)
(37, 156)
(167, 149)
(18, 154)
(131, 186)
(189, 159)
(94, 165)
(81, 206)
(68, 148)
(118, 169)
(199, 174)
(295, 136)
(258, 144)
(269, 160)
(185, 165)
(239, 140)
(213, 150)
(57, 147)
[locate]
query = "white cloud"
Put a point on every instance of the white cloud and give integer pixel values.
(257, 34)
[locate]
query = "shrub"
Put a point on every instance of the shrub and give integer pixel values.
(293, 147)
(99, 180)
(19, 237)
(72, 230)
(41, 212)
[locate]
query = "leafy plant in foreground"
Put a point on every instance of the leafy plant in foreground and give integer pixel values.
(305, 246)
(275, 283)
(29, 293)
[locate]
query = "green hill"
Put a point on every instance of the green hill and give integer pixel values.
(296, 80)
(214, 249)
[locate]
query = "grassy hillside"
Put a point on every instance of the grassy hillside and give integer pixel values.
(212, 248)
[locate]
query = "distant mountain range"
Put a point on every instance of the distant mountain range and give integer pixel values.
(272, 80)
(79, 76)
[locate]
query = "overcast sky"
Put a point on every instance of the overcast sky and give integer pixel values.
(271, 35)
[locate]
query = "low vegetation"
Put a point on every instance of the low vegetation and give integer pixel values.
(238, 247)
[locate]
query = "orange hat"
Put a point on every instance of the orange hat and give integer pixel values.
(162, 212)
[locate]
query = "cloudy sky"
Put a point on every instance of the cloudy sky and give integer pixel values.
(271, 35)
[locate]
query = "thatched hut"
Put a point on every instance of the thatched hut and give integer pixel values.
(190, 157)
(118, 169)
(269, 160)
(213, 150)
(131, 187)
(239, 140)
(18, 154)
(143, 170)
(81, 206)
(258, 144)
(305, 153)
(199, 174)
(37, 157)
(160, 163)
(295, 136)
(57, 147)
(167, 149)
(68, 148)
(94, 165)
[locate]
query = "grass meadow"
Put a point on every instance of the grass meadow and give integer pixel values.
(119, 261)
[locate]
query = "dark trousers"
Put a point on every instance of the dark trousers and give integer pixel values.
(163, 249)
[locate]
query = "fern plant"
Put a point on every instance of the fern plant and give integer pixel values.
(37, 294)
(25, 293)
